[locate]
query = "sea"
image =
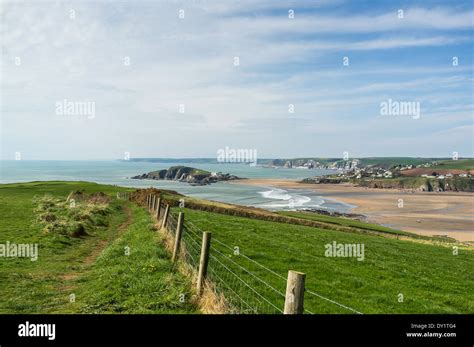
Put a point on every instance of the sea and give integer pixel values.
(118, 172)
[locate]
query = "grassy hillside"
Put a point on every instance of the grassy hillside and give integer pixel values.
(388, 162)
(93, 267)
(461, 164)
(142, 282)
(105, 279)
(431, 278)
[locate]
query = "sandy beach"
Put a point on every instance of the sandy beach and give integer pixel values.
(426, 213)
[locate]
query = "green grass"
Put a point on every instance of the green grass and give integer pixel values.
(340, 221)
(142, 282)
(430, 277)
(138, 283)
(461, 164)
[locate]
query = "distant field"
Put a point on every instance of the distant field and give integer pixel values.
(454, 167)
(392, 161)
(461, 164)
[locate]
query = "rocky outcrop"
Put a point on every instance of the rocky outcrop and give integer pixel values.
(415, 184)
(187, 174)
(333, 213)
(421, 184)
(324, 180)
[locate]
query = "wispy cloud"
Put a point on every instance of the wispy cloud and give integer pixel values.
(413, 18)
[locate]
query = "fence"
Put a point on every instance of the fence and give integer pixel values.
(232, 275)
(123, 196)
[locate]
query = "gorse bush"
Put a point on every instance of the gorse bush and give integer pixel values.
(70, 217)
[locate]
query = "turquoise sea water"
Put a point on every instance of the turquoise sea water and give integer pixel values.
(118, 173)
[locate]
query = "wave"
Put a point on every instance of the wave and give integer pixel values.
(278, 194)
(287, 200)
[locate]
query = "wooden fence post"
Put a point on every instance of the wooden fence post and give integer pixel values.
(204, 260)
(158, 209)
(147, 200)
(177, 239)
(153, 203)
(294, 298)
(165, 217)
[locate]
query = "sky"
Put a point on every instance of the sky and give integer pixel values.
(182, 79)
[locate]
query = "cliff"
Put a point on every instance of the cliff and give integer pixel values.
(421, 184)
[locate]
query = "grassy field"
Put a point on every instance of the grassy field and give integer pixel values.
(460, 164)
(94, 268)
(430, 278)
(104, 279)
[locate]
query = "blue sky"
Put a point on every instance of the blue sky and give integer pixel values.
(190, 61)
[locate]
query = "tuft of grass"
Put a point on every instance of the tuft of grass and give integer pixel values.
(58, 216)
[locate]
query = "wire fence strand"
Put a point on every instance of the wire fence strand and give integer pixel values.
(242, 286)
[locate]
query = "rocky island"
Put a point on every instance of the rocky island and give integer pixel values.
(187, 174)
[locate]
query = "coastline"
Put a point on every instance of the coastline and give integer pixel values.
(425, 213)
